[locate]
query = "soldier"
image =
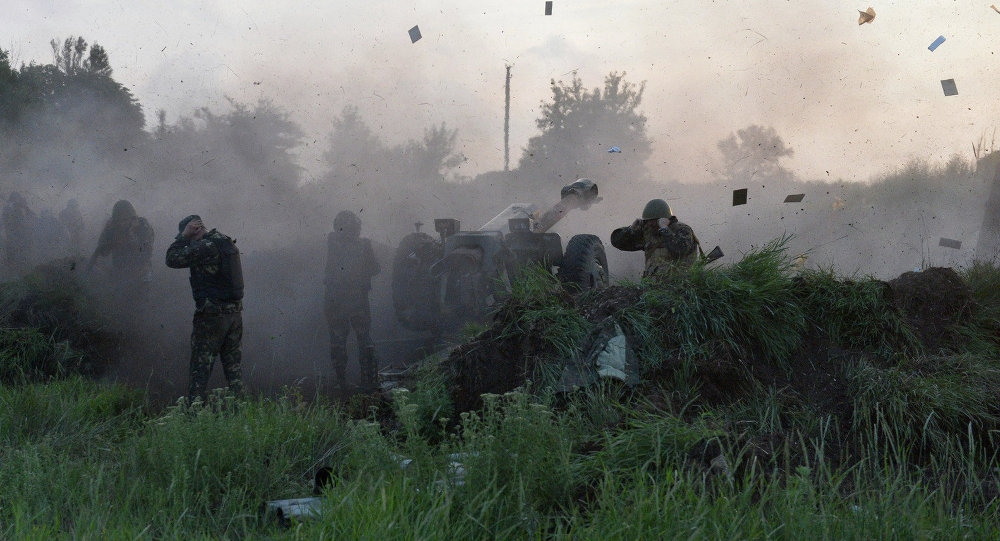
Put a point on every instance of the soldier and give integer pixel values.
(668, 243)
(72, 222)
(350, 266)
(128, 239)
(217, 287)
(18, 221)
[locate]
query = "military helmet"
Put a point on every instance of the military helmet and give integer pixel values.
(347, 222)
(123, 210)
(656, 209)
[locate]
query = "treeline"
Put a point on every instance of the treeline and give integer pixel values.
(69, 130)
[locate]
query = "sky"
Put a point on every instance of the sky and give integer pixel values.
(853, 101)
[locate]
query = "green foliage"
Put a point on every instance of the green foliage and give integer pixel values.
(576, 126)
(925, 403)
(75, 414)
(519, 447)
(855, 313)
(425, 407)
(982, 331)
(27, 355)
(656, 444)
(753, 152)
(540, 307)
(747, 309)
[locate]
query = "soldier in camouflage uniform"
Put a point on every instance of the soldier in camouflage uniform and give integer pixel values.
(217, 287)
(668, 243)
(128, 239)
(350, 266)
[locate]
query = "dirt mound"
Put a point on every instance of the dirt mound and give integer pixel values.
(934, 301)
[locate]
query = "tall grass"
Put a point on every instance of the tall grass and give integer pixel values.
(856, 314)
(747, 310)
(917, 460)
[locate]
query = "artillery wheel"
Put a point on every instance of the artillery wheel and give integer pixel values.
(414, 290)
(584, 265)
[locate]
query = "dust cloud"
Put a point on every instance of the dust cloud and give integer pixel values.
(262, 164)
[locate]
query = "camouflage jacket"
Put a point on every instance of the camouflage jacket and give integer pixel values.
(350, 265)
(216, 273)
(129, 244)
(666, 248)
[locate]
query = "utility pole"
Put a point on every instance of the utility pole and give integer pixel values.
(506, 124)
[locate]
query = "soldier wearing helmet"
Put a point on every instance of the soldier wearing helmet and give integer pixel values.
(18, 221)
(667, 243)
(350, 266)
(128, 239)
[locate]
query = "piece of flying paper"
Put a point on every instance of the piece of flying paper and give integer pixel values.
(548, 7)
(949, 87)
(740, 197)
(866, 16)
(950, 243)
(795, 198)
(615, 149)
(414, 34)
(935, 43)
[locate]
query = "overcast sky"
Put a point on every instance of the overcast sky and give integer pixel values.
(852, 101)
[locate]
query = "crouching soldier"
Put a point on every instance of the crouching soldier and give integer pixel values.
(217, 287)
(350, 266)
(667, 243)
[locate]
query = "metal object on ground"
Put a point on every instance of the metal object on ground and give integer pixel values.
(297, 509)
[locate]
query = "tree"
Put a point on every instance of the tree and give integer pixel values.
(432, 157)
(753, 153)
(579, 127)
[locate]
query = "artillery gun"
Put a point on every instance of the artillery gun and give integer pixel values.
(440, 284)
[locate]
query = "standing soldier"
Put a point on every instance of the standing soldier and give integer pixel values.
(128, 239)
(667, 243)
(72, 222)
(217, 287)
(18, 221)
(350, 266)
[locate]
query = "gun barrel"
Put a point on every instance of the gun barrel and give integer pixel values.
(579, 195)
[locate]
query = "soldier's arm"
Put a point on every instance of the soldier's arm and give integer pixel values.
(679, 240)
(183, 253)
(103, 247)
(628, 239)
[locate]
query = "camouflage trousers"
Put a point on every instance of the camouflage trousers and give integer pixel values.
(217, 332)
(344, 313)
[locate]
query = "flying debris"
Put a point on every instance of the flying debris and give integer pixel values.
(936, 42)
(615, 149)
(414, 34)
(548, 7)
(950, 243)
(739, 197)
(795, 198)
(995, 8)
(949, 87)
(866, 16)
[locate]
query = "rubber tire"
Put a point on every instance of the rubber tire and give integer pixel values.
(414, 291)
(584, 264)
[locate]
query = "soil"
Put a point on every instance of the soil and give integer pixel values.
(934, 300)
